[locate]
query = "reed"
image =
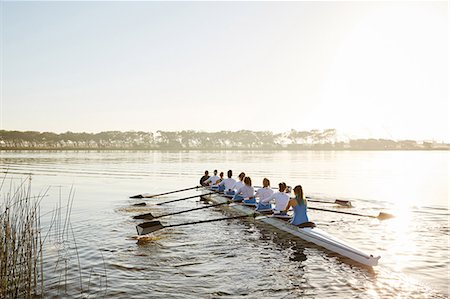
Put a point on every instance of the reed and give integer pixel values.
(21, 244)
(28, 269)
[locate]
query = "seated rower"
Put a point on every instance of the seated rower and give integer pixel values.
(215, 186)
(227, 184)
(237, 185)
(281, 199)
(299, 205)
(263, 193)
(212, 180)
(204, 178)
(245, 191)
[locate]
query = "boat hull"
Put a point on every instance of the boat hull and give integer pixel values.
(311, 234)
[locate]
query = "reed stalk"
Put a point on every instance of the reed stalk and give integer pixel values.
(23, 244)
(20, 243)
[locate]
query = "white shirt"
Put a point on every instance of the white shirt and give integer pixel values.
(246, 191)
(212, 180)
(238, 185)
(228, 183)
(281, 200)
(264, 193)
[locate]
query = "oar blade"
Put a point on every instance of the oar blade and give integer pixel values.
(384, 216)
(148, 227)
(141, 204)
(137, 196)
(147, 216)
(344, 203)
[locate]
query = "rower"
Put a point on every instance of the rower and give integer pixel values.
(245, 191)
(299, 204)
(227, 184)
(237, 185)
(263, 193)
(204, 178)
(213, 179)
(281, 199)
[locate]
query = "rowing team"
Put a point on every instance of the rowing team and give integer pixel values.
(243, 191)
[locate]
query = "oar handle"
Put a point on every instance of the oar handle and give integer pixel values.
(212, 220)
(184, 198)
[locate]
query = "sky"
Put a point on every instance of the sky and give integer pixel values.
(367, 69)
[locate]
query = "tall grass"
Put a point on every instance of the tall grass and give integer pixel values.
(21, 269)
(27, 250)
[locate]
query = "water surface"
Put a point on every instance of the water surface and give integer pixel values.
(240, 258)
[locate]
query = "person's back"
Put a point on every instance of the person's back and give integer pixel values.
(280, 198)
(262, 193)
(228, 183)
(204, 178)
(239, 184)
(245, 191)
(300, 215)
(299, 204)
(213, 179)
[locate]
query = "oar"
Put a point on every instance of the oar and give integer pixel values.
(155, 195)
(337, 201)
(149, 227)
(381, 216)
(149, 216)
(184, 198)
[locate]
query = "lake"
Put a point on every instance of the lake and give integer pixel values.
(91, 247)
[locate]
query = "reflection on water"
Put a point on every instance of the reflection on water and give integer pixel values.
(244, 258)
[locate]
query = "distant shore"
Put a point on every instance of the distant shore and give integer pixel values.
(243, 140)
(50, 149)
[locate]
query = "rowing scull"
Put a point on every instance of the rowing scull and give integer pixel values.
(311, 234)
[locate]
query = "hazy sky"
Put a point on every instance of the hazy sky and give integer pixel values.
(368, 69)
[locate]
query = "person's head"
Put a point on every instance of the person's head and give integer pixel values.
(241, 176)
(298, 191)
(248, 181)
(282, 186)
(215, 171)
(221, 174)
(206, 172)
(266, 182)
(288, 189)
(229, 174)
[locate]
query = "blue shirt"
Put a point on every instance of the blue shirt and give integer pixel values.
(300, 215)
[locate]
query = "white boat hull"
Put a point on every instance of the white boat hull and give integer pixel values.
(313, 235)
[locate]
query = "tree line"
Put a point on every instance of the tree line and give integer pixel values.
(199, 140)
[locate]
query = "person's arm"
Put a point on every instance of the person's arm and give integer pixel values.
(239, 191)
(268, 199)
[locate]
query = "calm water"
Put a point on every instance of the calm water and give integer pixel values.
(239, 258)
